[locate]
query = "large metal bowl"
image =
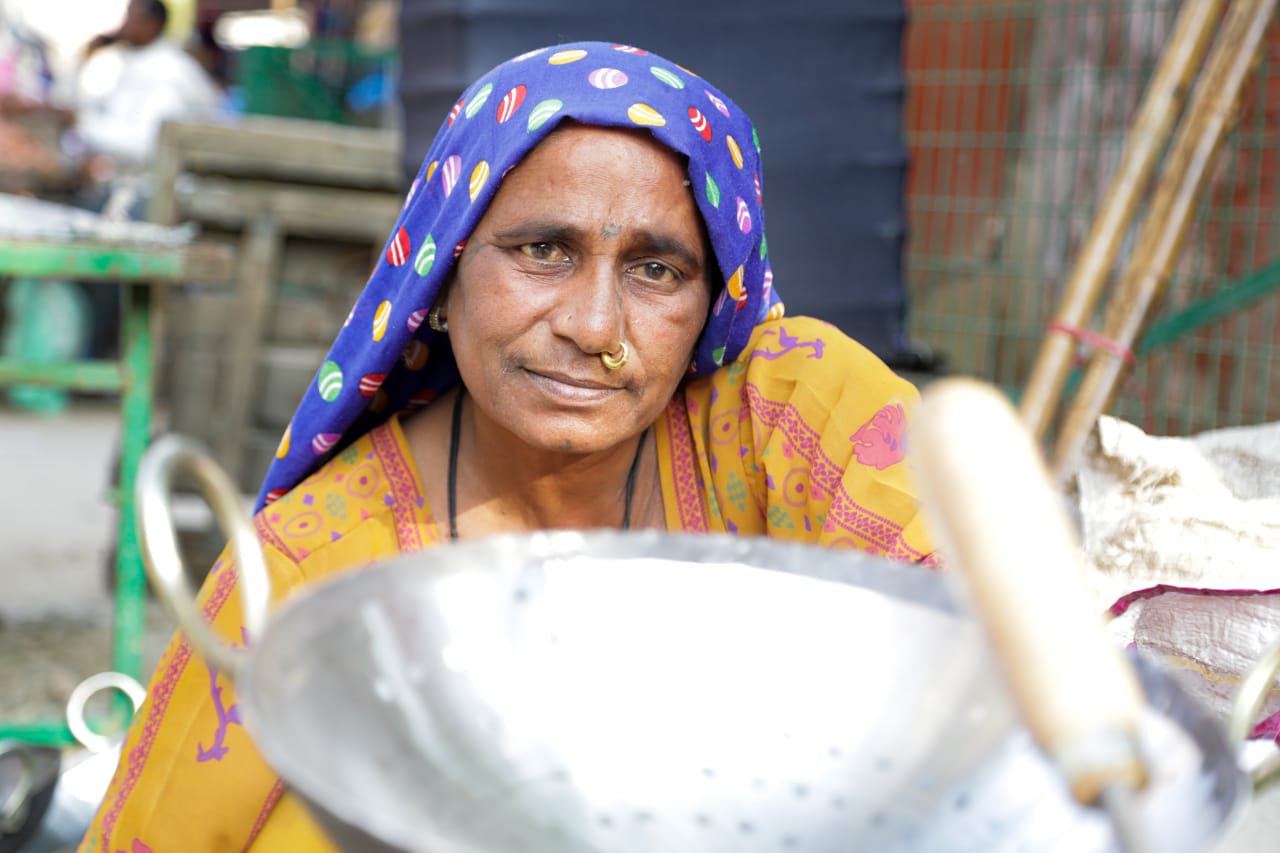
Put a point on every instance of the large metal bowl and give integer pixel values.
(626, 692)
(605, 692)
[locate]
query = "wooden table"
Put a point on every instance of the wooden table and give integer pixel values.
(42, 240)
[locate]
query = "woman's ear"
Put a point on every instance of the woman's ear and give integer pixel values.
(438, 316)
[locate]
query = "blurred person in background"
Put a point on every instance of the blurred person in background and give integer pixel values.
(29, 121)
(25, 72)
(156, 79)
(132, 81)
(41, 320)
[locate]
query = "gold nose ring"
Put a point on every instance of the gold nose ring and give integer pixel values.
(615, 360)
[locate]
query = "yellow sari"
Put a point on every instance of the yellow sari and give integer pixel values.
(802, 438)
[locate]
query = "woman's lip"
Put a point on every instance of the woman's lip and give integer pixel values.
(562, 385)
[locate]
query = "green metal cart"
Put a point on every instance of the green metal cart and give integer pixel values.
(42, 240)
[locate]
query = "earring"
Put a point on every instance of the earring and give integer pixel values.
(615, 361)
(435, 321)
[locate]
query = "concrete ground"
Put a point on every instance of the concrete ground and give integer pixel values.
(54, 509)
(58, 537)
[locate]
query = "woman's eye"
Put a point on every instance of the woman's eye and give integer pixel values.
(542, 251)
(654, 271)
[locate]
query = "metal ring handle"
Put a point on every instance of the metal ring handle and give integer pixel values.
(13, 811)
(1248, 702)
(167, 456)
(79, 698)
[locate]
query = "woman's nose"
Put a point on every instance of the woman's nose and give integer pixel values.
(592, 313)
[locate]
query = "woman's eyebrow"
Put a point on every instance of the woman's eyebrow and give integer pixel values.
(539, 230)
(643, 240)
(665, 244)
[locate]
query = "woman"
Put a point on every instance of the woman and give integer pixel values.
(584, 249)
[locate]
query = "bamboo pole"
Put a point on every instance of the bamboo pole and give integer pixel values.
(1165, 96)
(1213, 107)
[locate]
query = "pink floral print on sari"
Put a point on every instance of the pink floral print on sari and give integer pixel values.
(881, 441)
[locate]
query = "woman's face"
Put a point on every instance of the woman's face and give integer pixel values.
(592, 240)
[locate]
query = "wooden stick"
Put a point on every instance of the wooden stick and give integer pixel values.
(1161, 105)
(1213, 104)
(989, 501)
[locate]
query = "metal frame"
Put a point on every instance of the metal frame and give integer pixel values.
(138, 269)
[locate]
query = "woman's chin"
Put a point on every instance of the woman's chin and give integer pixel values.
(576, 432)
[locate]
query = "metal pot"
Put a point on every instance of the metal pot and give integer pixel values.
(28, 776)
(47, 797)
(609, 692)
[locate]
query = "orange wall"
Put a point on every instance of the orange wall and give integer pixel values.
(959, 105)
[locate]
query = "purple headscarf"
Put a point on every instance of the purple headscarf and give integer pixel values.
(386, 358)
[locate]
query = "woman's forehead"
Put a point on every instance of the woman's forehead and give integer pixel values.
(575, 147)
(586, 171)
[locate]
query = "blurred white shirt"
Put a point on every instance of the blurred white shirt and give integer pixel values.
(126, 93)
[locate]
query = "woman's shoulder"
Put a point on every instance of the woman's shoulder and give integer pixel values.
(805, 435)
(808, 376)
(808, 338)
(805, 354)
(369, 484)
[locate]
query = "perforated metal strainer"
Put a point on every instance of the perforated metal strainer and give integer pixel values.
(612, 692)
